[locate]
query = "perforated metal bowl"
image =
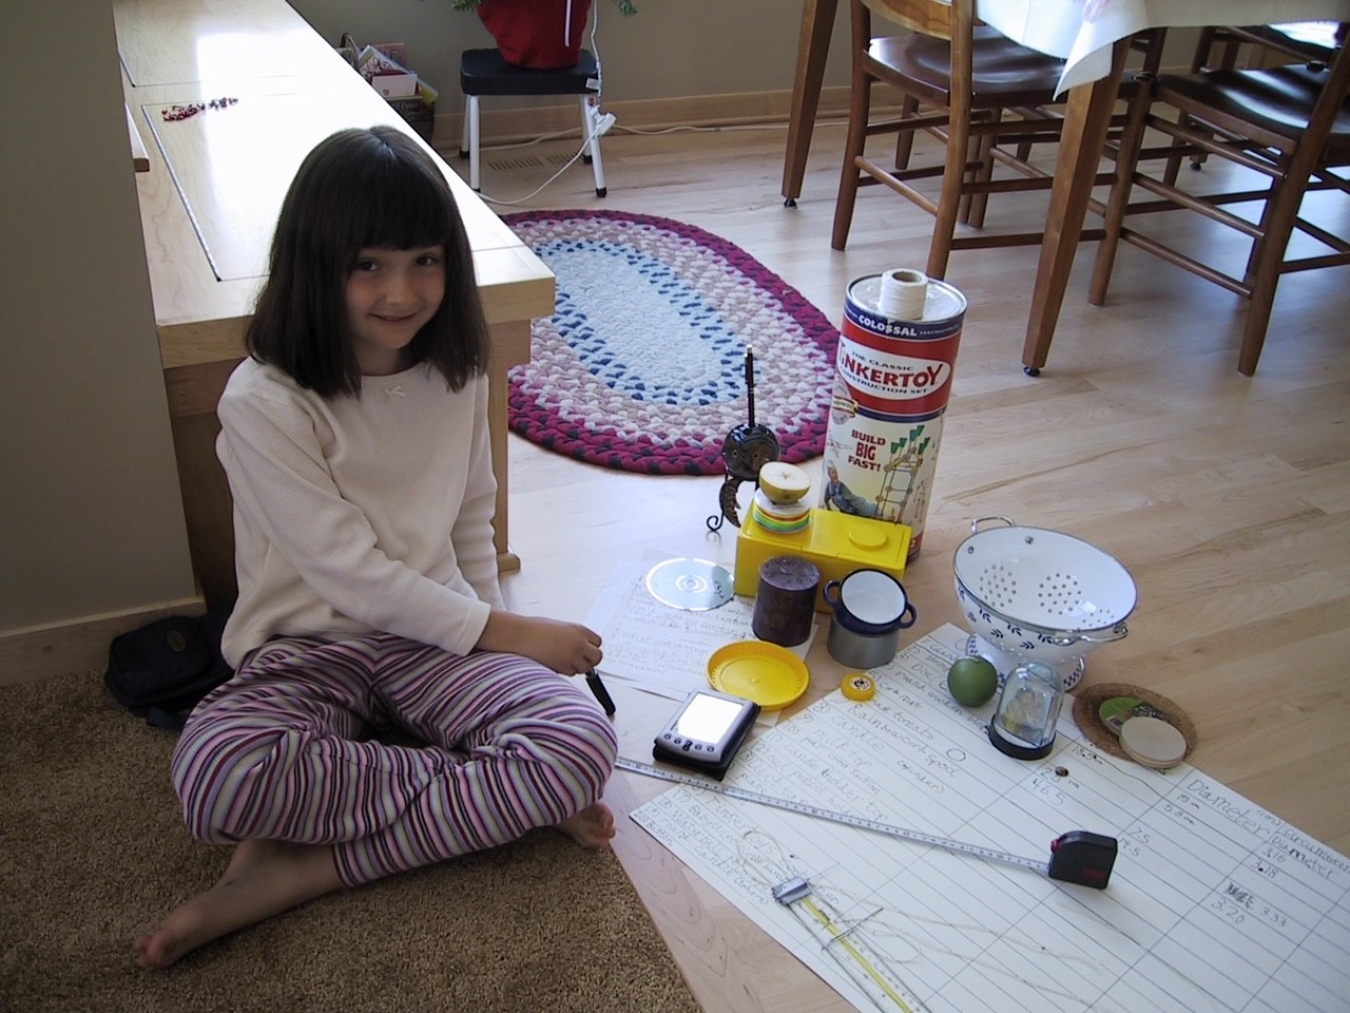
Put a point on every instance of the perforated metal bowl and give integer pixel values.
(1041, 594)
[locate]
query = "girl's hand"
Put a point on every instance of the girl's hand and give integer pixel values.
(568, 648)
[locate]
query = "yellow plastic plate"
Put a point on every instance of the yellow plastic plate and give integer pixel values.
(770, 675)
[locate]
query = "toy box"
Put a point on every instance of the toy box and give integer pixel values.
(836, 543)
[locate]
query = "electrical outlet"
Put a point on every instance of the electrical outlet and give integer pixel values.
(603, 124)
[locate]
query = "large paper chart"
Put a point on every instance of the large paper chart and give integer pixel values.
(661, 649)
(1214, 904)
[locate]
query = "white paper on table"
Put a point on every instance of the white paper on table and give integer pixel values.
(662, 649)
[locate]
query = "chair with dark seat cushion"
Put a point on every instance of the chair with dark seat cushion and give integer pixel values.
(984, 92)
(1221, 47)
(484, 72)
(1288, 124)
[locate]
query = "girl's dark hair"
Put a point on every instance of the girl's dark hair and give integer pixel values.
(363, 188)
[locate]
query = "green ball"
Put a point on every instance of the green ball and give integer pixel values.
(972, 681)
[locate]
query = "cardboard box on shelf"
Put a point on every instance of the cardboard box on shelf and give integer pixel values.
(384, 66)
(396, 51)
(388, 77)
(418, 109)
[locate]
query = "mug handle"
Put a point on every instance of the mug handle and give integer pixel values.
(913, 615)
(830, 592)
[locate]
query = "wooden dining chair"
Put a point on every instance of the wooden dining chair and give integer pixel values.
(986, 96)
(1222, 47)
(1288, 124)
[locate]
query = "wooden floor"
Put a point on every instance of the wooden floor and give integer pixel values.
(1227, 497)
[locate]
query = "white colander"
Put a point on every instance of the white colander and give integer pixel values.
(1041, 594)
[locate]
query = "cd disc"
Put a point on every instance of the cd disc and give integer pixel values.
(695, 585)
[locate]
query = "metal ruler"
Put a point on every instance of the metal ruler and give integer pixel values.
(1075, 857)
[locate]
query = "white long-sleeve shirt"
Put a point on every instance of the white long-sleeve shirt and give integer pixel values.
(354, 515)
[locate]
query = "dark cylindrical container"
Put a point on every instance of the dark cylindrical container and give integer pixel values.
(785, 604)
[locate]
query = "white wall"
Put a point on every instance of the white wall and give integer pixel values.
(90, 515)
(669, 49)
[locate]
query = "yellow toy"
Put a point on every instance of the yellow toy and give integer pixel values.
(836, 543)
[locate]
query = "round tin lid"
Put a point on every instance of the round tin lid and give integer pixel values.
(943, 301)
(1152, 742)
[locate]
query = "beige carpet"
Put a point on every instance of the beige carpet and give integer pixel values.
(93, 852)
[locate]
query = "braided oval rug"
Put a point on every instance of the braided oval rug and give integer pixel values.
(642, 368)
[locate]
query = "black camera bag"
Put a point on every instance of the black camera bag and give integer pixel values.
(160, 671)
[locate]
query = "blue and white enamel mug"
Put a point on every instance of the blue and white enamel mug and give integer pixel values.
(870, 608)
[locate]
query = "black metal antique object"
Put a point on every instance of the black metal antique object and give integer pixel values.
(746, 449)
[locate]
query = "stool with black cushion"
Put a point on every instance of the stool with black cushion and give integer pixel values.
(484, 72)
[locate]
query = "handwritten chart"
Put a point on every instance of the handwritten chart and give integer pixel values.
(660, 648)
(1214, 904)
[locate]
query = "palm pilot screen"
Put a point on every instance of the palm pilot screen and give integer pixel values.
(706, 731)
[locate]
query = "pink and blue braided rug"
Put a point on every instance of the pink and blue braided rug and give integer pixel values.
(642, 368)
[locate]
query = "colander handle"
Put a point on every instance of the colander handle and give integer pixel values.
(975, 524)
(1118, 632)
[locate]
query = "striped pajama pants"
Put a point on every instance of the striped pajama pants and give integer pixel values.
(282, 752)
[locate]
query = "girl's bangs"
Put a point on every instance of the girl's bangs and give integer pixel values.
(406, 209)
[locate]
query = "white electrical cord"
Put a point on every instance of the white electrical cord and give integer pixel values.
(540, 188)
(595, 51)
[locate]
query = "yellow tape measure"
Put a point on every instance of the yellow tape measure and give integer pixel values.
(857, 686)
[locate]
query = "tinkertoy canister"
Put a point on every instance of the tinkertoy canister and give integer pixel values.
(893, 377)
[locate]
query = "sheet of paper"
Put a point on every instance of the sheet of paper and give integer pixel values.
(1213, 905)
(662, 649)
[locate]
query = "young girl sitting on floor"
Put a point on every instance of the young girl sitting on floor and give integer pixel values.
(355, 439)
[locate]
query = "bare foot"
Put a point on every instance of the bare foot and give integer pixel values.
(592, 827)
(263, 878)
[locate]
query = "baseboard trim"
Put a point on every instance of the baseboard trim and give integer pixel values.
(507, 125)
(76, 645)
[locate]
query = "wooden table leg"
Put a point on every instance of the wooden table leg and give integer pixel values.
(1080, 154)
(510, 346)
(193, 392)
(812, 49)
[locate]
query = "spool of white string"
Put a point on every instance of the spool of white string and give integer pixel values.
(903, 294)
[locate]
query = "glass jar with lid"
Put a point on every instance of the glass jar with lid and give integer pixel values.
(1028, 709)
